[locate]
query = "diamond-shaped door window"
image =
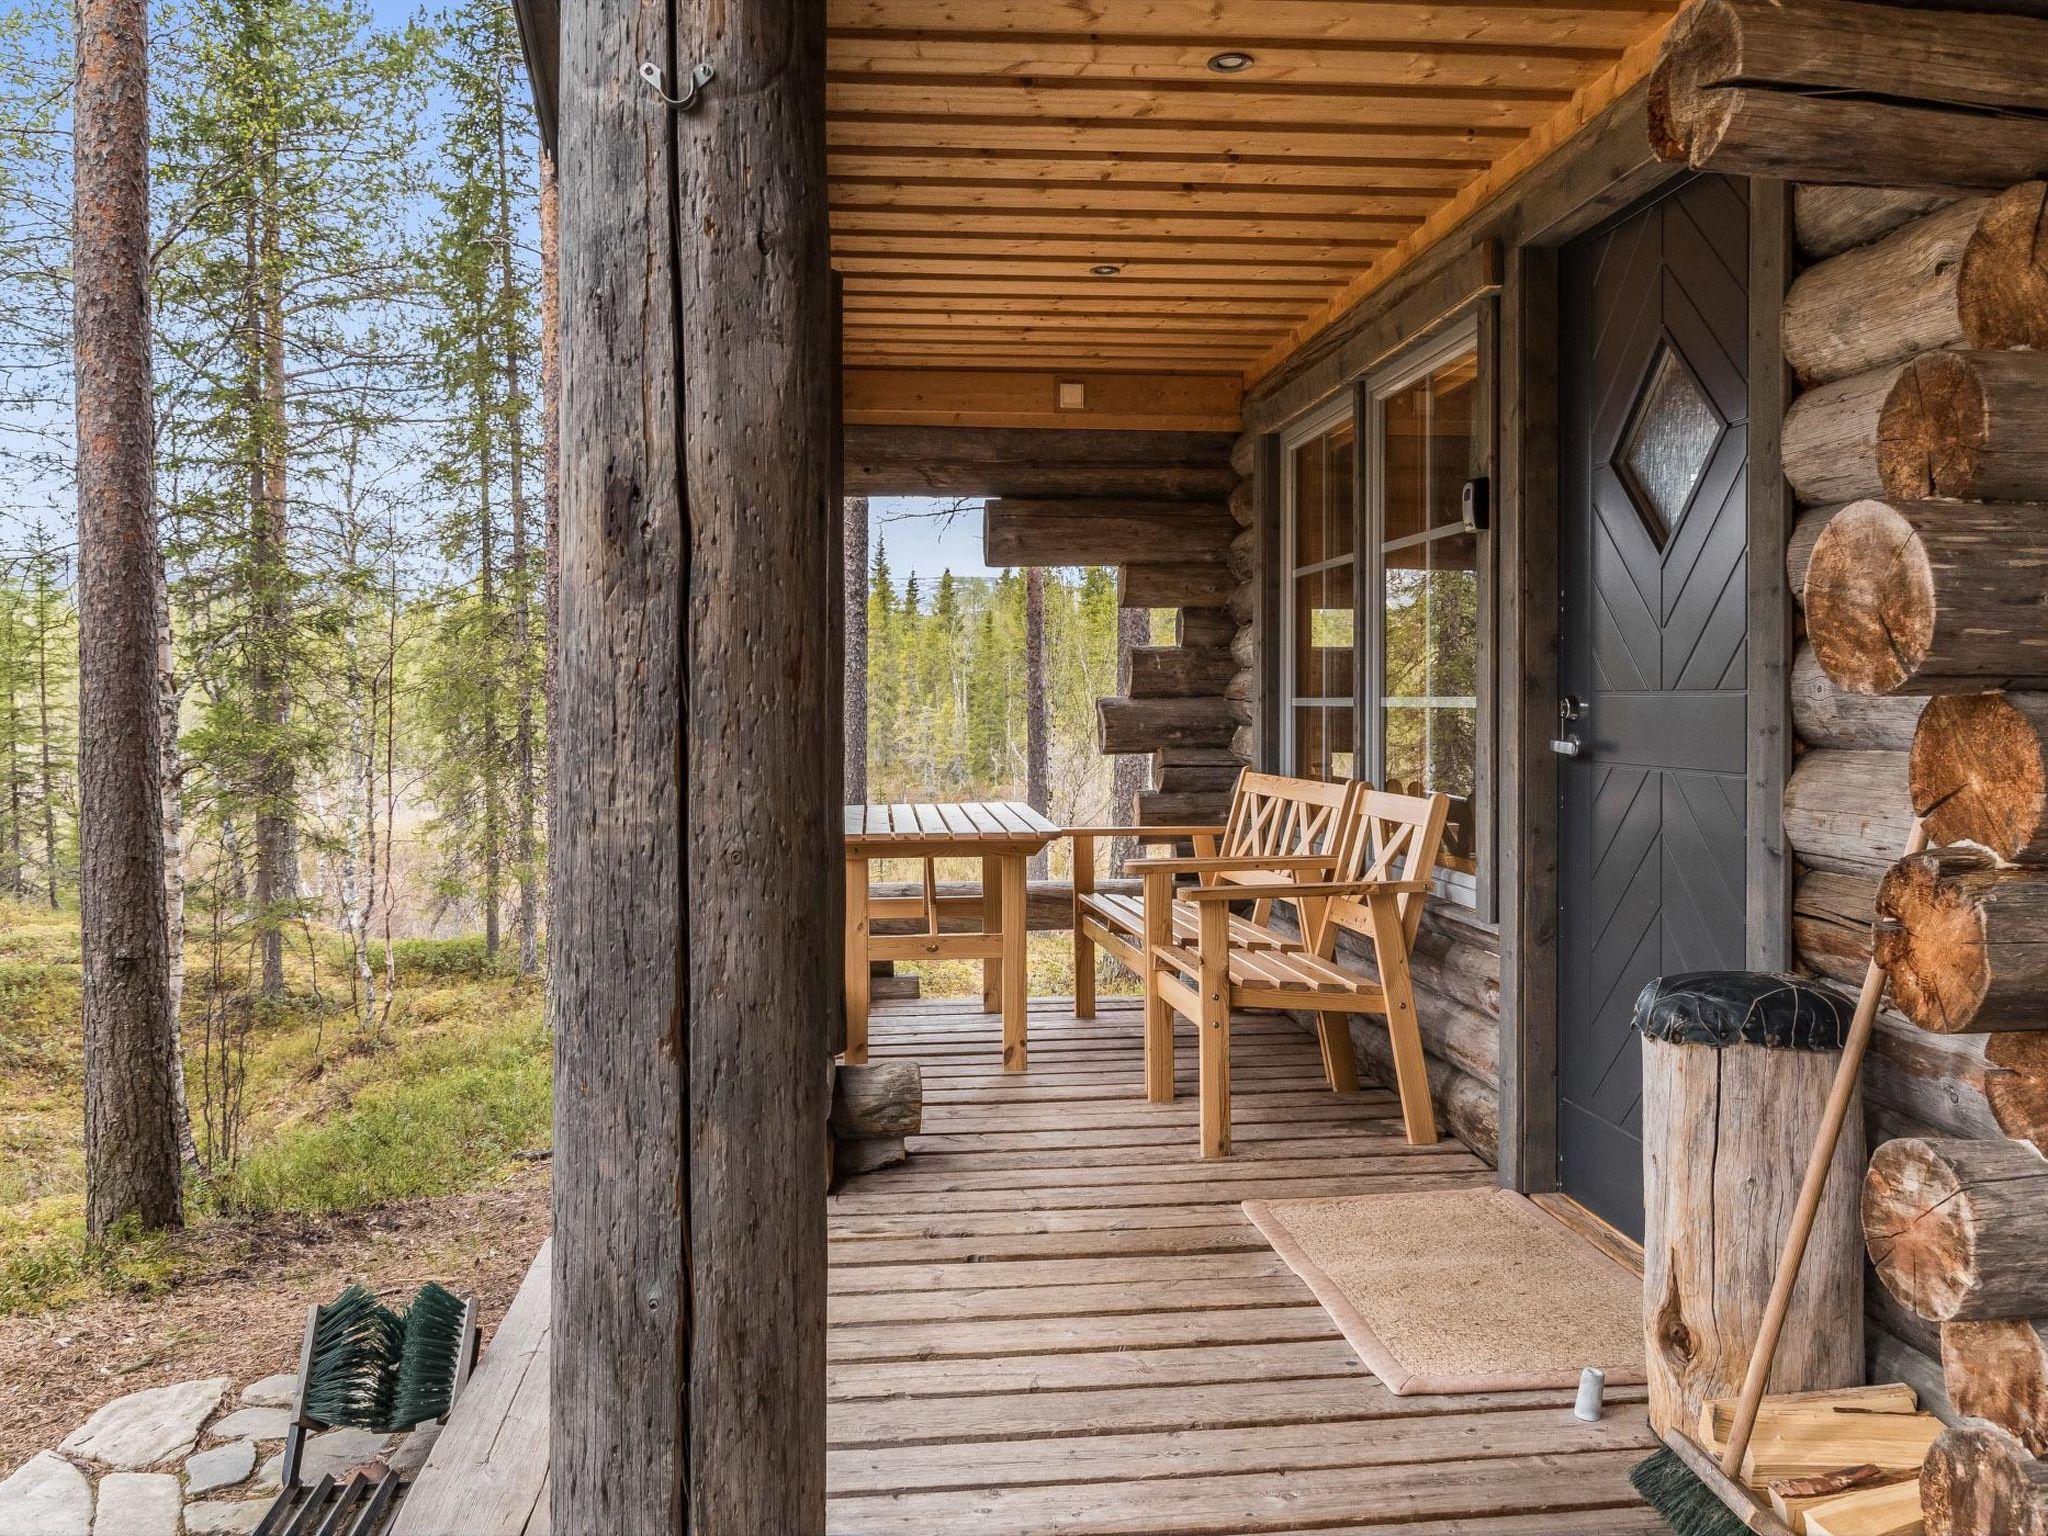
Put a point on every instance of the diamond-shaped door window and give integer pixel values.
(1671, 436)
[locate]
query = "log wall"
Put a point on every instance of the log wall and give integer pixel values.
(1908, 418)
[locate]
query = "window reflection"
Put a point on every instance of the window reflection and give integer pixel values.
(1322, 597)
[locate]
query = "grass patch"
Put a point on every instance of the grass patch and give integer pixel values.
(45, 1261)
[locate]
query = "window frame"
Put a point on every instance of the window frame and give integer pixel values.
(1309, 427)
(1470, 893)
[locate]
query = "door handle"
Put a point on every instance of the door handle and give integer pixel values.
(1569, 746)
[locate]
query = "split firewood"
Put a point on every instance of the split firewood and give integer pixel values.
(1888, 1511)
(1792, 1497)
(1979, 773)
(1930, 597)
(1973, 275)
(1997, 1370)
(1825, 1439)
(1717, 1415)
(1964, 949)
(1980, 1481)
(1957, 1228)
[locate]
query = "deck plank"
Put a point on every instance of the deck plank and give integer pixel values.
(1055, 1318)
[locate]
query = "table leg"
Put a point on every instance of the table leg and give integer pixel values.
(991, 922)
(856, 961)
(1016, 970)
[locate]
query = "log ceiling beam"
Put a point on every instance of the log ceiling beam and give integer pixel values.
(1184, 399)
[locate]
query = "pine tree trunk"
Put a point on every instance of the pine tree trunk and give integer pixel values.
(131, 1139)
(855, 533)
(276, 880)
(526, 849)
(1037, 709)
(47, 777)
(492, 746)
(1128, 776)
(10, 738)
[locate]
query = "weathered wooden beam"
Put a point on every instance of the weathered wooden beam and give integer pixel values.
(2016, 1084)
(1930, 597)
(1826, 716)
(1116, 400)
(1847, 809)
(689, 1011)
(1178, 672)
(1828, 220)
(1956, 1228)
(1839, 91)
(1049, 904)
(1145, 725)
(982, 461)
(1183, 584)
(1203, 628)
(1172, 808)
(1974, 274)
(1997, 1371)
(884, 1098)
(1101, 530)
(1950, 426)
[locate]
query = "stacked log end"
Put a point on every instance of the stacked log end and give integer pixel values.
(1919, 453)
(874, 1108)
(1980, 1481)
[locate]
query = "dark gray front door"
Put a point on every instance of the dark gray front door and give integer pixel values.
(1652, 664)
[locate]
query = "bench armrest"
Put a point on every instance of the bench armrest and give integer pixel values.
(1314, 888)
(1239, 862)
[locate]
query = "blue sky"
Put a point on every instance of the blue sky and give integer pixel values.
(927, 537)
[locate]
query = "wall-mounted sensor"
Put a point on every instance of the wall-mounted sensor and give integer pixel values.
(1474, 502)
(1073, 395)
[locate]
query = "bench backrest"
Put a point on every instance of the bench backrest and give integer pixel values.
(1388, 837)
(1276, 817)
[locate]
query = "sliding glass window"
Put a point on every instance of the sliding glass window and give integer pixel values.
(1320, 567)
(1424, 423)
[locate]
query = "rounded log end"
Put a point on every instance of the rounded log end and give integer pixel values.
(1667, 139)
(1978, 775)
(1929, 942)
(1870, 605)
(1932, 429)
(1977, 1481)
(1994, 1371)
(2002, 289)
(2016, 1085)
(1918, 1234)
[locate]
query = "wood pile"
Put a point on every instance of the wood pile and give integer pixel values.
(1919, 451)
(874, 1107)
(1843, 1462)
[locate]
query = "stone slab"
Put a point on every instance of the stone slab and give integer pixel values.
(252, 1424)
(138, 1504)
(271, 1392)
(237, 1517)
(221, 1467)
(47, 1495)
(146, 1427)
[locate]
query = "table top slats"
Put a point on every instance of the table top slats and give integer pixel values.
(949, 829)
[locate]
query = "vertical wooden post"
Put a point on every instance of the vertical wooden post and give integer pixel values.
(1158, 1016)
(859, 976)
(1016, 961)
(1084, 947)
(1213, 1037)
(991, 922)
(696, 825)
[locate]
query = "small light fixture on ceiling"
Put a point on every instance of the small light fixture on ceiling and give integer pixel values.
(1107, 269)
(1231, 61)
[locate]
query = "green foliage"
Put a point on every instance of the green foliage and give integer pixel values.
(46, 1261)
(465, 958)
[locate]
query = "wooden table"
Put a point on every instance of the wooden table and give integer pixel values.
(1000, 833)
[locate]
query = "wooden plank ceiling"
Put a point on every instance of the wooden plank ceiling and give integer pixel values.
(987, 156)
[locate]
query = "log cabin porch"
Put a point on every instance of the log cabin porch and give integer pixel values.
(1051, 1318)
(1640, 300)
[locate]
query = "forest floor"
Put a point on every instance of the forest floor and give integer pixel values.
(414, 1150)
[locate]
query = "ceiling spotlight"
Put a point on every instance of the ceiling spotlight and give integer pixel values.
(1231, 62)
(1107, 269)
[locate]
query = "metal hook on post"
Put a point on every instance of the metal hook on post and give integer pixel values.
(700, 76)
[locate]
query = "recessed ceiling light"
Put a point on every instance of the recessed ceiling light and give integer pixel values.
(1231, 61)
(1107, 269)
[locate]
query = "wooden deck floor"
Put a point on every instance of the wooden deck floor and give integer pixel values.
(1054, 1317)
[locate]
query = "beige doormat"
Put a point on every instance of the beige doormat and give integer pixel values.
(1461, 1290)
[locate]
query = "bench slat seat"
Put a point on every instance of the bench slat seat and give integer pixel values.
(1126, 914)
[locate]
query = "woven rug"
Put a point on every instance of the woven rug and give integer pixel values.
(1461, 1290)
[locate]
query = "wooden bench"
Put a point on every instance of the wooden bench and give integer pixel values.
(1275, 827)
(1380, 880)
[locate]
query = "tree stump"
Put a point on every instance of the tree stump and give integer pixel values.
(1957, 1228)
(1720, 1183)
